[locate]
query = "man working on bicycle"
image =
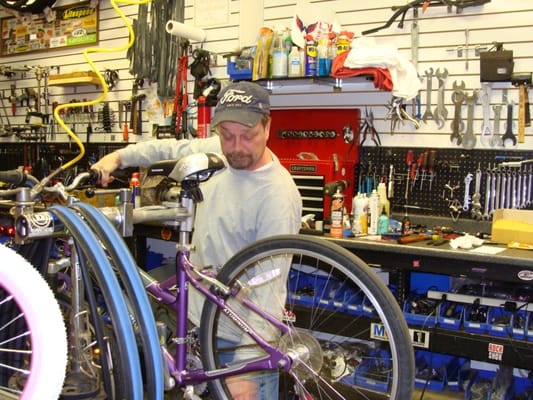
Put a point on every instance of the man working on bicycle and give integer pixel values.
(254, 198)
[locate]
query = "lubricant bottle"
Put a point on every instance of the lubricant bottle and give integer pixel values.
(373, 212)
(383, 222)
(279, 57)
(337, 214)
(310, 57)
(295, 66)
(135, 187)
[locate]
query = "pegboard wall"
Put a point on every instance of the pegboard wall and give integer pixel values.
(448, 188)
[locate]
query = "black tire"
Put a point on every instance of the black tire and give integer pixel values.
(337, 310)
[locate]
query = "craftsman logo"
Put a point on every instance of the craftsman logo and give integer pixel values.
(526, 275)
(495, 351)
(303, 168)
(77, 12)
(236, 96)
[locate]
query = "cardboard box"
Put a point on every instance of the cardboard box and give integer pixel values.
(512, 226)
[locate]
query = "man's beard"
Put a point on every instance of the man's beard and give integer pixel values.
(239, 160)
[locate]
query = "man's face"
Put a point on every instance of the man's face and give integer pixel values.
(243, 147)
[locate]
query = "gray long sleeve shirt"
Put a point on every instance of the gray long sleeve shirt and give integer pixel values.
(239, 207)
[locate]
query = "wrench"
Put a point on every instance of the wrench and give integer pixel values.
(458, 98)
(469, 139)
(509, 135)
(466, 198)
(496, 138)
(429, 87)
(486, 129)
(441, 113)
(488, 194)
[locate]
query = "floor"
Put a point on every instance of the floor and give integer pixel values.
(432, 395)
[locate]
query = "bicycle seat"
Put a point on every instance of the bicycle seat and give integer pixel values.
(196, 167)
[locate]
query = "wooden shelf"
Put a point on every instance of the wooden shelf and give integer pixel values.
(74, 79)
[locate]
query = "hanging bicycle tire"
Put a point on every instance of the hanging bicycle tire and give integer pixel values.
(346, 334)
(33, 344)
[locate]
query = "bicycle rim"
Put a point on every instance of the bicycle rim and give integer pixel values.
(347, 336)
(33, 344)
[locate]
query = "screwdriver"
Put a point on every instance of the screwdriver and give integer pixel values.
(423, 167)
(431, 166)
(409, 161)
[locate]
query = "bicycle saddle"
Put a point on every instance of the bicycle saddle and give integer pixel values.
(196, 167)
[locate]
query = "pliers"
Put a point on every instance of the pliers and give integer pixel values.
(368, 128)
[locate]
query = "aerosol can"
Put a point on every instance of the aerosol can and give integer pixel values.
(337, 214)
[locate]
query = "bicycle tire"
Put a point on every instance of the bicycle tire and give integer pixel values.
(142, 310)
(338, 312)
(26, 297)
(113, 296)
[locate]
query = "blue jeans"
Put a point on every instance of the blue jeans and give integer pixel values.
(266, 381)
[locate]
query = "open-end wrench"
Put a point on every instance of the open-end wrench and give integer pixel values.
(469, 139)
(429, 88)
(509, 139)
(486, 128)
(466, 198)
(458, 98)
(441, 113)
(476, 197)
(497, 191)
(496, 138)
(488, 194)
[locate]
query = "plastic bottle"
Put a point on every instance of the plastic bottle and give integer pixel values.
(383, 222)
(295, 66)
(135, 187)
(384, 203)
(322, 57)
(373, 212)
(337, 214)
(279, 57)
(343, 43)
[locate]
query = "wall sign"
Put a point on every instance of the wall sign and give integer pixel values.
(73, 26)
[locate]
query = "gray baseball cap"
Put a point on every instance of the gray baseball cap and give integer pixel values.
(243, 102)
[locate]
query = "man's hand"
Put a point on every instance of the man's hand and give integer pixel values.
(242, 389)
(105, 166)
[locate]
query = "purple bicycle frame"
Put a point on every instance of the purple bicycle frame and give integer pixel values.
(177, 364)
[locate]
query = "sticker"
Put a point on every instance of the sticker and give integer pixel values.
(525, 275)
(495, 351)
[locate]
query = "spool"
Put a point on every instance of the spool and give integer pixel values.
(176, 28)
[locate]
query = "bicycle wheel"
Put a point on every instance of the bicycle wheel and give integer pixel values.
(346, 333)
(33, 344)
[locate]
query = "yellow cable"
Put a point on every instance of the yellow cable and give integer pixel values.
(100, 77)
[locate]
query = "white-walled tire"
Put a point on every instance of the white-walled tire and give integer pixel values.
(33, 344)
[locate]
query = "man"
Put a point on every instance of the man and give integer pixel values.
(255, 197)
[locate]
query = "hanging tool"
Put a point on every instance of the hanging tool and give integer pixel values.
(476, 197)
(423, 167)
(458, 98)
(409, 158)
(441, 113)
(466, 199)
(487, 133)
(496, 139)
(428, 114)
(469, 139)
(509, 139)
(180, 96)
(368, 128)
(522, 81)
(431, 167)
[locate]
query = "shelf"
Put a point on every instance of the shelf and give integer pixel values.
(336, 83)
(74, 79)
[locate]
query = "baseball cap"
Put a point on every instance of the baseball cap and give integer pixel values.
(243, 102)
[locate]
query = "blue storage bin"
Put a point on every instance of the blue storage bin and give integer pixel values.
(475, 318)
(519, 321)
(431, 370)
(499, 322)
(480, 383)
(450, 314)
(373, 371)
(415, 317)
(457, 373)
(237, 74)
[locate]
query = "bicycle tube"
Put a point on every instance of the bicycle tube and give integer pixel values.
(23, 291)
(136, 293)
(347, 336)
(110, 287)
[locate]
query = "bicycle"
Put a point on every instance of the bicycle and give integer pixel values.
(303, 309)
(100, 361)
